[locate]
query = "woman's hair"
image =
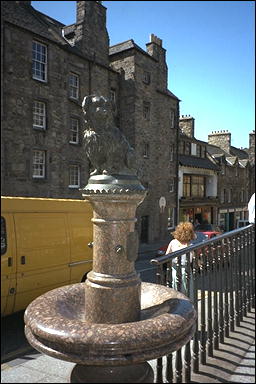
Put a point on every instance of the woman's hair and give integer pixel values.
(184, 232)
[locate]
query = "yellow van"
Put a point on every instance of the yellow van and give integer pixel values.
(45, 243)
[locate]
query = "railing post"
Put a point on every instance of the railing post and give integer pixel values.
(178, 367)
(231, 260)
(243, 275)
(169, 369)
(215, 299)
(209, 267)
(202, 325)
(226, 287)
(195, 300)
(159, 370)
(221, 308)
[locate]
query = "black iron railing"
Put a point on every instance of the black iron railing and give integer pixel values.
(218, 276)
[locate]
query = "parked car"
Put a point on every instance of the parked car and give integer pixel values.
(210, 230)
(199, 238)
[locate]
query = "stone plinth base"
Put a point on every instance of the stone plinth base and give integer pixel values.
(138, 373)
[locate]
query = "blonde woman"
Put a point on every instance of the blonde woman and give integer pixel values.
(183, 235)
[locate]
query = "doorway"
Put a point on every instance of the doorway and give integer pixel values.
(144, 229)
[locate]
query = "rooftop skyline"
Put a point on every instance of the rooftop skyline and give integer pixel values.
(210, 53)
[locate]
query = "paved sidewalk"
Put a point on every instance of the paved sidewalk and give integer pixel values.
(233, 363)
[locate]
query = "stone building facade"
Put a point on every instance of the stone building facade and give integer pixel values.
(235, 178)
(198, 177)
(227, 177)
(47, 70)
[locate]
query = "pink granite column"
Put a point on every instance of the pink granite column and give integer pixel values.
(113, 286)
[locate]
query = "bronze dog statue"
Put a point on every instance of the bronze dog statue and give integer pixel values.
(105, 145)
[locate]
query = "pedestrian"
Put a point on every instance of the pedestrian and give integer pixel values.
(183, 234)
(251, 209)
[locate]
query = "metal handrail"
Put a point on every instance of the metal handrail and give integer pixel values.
(170, 256)
(222, 270)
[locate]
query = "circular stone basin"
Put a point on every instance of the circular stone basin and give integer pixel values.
(55, 325)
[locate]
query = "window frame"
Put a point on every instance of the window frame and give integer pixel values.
(172, 118)
(197, 185)
(146, 110)
(72, 87)
(172, 185)
(43, 166)
(41, 115)
(113, 95)
(71, 185)
(186, 189)
(171, 152)
(146, 77)
(187, 146)
(73, 119)
(198, 150)
(145, 150)
(44, 64)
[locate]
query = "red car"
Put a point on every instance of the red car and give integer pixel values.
(209, 230)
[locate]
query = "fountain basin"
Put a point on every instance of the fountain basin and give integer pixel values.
(55, 324)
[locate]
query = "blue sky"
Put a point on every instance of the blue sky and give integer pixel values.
(210, 52)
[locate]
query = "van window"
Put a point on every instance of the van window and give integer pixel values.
(3, 236)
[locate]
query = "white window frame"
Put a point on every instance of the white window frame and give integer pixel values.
(74, 131)
(73, 86)
(74, 179)
(39, 115)
(39, 61)
(38, 164)
(172, 118)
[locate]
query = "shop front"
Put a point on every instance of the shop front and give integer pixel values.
(229, 217)
(197, 215)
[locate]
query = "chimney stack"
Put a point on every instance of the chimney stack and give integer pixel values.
(221, 139)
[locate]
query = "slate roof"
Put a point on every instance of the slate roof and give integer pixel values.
(197, 162)
(240, 153)
(214, 150)
(27, 17)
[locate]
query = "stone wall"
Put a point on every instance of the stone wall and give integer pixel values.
(19, 137)
(125, 76)
(154, 132)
